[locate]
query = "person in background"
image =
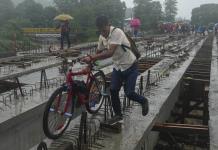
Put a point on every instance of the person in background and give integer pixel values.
(65, 33)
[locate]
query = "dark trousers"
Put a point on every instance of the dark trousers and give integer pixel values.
(135, 32)
(128, 79)
(63, 36)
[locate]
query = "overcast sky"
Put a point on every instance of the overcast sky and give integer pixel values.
(184, 6)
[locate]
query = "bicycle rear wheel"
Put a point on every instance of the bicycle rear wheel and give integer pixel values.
(97, 86)
(55, 121)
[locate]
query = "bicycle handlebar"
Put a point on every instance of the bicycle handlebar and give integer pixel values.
(58, 55)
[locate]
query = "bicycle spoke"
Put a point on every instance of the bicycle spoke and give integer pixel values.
(97, 85)
(95, 94)
(57, 119)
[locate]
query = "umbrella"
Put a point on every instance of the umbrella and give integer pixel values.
(63, 17)
(135, 23)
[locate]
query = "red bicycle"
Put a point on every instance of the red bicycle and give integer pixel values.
(74, 93)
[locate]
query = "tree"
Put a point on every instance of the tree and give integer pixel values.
(157, 14)
(6, 11)
(66, 6)
(32, 11)
(114, 9)
(170, 10)
(85, 12)
(48, 15)
(149, 13)
(205, 14)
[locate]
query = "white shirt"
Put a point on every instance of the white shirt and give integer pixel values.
(122, 60)
(102, 43)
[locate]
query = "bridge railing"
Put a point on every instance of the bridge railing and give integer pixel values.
(41, 30)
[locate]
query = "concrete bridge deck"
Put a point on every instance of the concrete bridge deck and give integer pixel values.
(213, 98)
(136, 131)
(161, 98)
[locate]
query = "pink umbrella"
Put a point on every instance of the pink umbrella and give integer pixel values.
(135, 23)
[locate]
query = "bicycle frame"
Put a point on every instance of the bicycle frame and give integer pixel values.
(61, 105)
(69, 83)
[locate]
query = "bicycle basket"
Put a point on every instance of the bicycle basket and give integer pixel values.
(78, 67)
(80, 88)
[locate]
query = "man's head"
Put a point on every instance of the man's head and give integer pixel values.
(102, 23)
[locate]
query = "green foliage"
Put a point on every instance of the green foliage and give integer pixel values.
(6, 11)
(36, 14)
(32, 11)
(48, 15)
(205, 14)
(170, 10)
(7, 32)
(85, 12)
(149, 13)
(114, 9)
(5, 45)
(66, 6)
(10, 31)
(27, 14)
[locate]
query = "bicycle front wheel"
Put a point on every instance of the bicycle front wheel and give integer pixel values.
(97, 86)
(57, 114)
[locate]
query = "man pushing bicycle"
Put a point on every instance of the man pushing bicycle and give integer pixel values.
(125, 70)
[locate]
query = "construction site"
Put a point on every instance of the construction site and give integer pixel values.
(178, 76)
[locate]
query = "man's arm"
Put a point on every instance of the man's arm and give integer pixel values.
(106, 54)
(100, 51)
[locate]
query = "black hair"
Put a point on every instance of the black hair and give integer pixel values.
(101, 21)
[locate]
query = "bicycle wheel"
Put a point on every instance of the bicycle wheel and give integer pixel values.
(97, 86)
(55, 121)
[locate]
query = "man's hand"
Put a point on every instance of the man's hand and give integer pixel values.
(86, 59)
(99, 51)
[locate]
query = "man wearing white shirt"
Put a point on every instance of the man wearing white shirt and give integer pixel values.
(125, 70)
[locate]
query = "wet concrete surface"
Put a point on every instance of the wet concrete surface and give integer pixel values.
(11, 71)
(22, 116)
(213, 97)
(136, 128)
(7, 86)
(161, 99)
(23, 104)
(16, 106)
(159, 94)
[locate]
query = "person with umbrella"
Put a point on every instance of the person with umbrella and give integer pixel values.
(65, 28)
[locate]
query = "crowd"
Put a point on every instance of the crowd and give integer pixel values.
(182, 28)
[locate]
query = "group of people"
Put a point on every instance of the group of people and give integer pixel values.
(199, 29)
(182, 28)
(175, 28)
